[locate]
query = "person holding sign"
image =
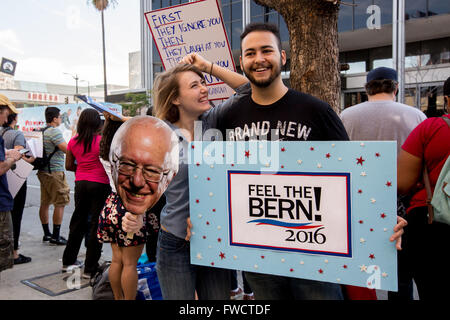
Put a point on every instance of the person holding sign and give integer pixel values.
(271, 105)
(144, 158)
(8, 158)
(14, 139)
(181, 97)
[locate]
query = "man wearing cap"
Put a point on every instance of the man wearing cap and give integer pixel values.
(381, 119)
(7, 160)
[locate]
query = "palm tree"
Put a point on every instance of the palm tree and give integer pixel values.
(101, 6)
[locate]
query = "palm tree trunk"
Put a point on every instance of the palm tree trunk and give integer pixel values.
(104, 58)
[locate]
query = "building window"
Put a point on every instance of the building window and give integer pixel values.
(345, 20)
(435, 52)
(358, 61)
(232, 17)
(380, 57)
(438, 7)
(386, 10)
(360, 11)
(415, 9)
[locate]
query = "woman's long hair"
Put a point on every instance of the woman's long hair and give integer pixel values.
(109, 129)
(88, 126)
(166, 88)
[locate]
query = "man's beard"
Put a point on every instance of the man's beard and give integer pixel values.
(276, 71)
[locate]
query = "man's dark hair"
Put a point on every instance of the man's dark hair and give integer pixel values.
(380, 86)
(50, 113)
(260, 26)
(3, 107)
(447, 87)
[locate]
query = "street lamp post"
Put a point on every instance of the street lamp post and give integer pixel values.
(76, 81)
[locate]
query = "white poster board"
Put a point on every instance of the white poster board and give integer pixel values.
(292, 208)
(34, 143)
(193, 27)
(17, 177)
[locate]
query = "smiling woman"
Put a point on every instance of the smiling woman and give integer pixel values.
(181, 97)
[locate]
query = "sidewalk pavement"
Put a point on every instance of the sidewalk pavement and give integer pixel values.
(46, 258)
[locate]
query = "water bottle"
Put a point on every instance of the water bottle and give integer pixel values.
(143, 288)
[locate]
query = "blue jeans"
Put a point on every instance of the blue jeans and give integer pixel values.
(179, 279)
(271, 287)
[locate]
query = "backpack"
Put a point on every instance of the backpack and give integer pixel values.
(44, 162)
(101, 287)
(441, 195)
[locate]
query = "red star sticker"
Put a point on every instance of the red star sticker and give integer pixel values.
(247, 153)
(383, 215)
(361, 222)
(213, 210)
(360, 161)
(207, 223)
(219, 240)
(291, 270)
(282, 166)
(193, 147)
(320, 271)
(389, 184)
(197, 164)
(377, 154)
(222, 255)
(208, 178)
(360, 191)
(262, 257)
(372, 256)
(344, 266)
(328, 155)
(312, 148)
(283, 149)
(371, 229)
(212, 263)
(232, 164)
(204, 237)
(197, 201)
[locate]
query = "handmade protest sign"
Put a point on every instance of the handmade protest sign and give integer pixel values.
(315, 210)
(193, 27)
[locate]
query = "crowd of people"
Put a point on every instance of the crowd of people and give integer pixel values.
(135, 165)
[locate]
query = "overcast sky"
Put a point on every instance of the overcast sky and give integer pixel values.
(48, 38)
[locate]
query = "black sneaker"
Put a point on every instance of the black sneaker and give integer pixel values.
(22, 259)
(46, 238)
(61, 241)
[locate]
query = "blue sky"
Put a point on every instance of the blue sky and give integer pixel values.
(49, 37)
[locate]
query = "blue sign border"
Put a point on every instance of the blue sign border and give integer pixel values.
(349, 209)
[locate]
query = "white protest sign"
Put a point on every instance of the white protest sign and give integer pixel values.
(34, 142)
(193, 27)
(17, 177)
(295, 212)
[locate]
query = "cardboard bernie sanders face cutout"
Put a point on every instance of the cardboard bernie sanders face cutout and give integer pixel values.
(144, 159)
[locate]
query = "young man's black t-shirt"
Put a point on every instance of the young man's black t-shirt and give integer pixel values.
(295, 117)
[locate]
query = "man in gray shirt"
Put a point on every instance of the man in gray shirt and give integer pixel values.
(381, 118)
